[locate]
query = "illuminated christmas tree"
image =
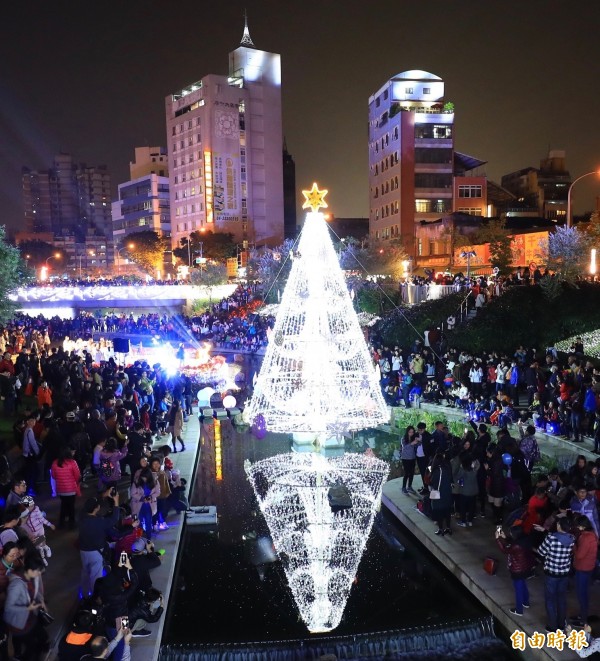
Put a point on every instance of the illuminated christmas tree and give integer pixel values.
(317, 374)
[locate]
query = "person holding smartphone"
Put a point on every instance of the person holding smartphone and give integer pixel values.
(100, 648)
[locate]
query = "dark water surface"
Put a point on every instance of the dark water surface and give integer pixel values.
(229, 588)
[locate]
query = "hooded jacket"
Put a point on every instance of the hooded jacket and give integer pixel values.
(557, 551)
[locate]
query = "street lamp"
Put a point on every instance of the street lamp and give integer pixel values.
(129, 246)
(468, 254)
(44, 269)
(587, 174)
(27, 258)
(56, 255)
(91, 253)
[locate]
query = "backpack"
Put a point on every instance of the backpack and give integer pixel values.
(106, 468)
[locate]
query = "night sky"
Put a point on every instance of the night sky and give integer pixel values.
(90, 78)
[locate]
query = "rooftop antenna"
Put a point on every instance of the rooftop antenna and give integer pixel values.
(246, 39)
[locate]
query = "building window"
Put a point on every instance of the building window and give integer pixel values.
(427, 90)
(408, 90)
(385, 94)
(435, 131)
(432, 180)
(422, 206)
(377, 102)
(469, 191)
(471, 211)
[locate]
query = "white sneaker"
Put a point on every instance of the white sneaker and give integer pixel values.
(48, 552)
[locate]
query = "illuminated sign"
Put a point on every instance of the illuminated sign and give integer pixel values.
(208, 186)
(226, 188)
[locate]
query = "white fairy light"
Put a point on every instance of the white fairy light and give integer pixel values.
(318, 377)
(317, 374)
(591, 342)
(320, 549)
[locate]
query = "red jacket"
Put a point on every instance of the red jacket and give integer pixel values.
(520, 557)
(67, 477)
(535, 509)
(586, 549)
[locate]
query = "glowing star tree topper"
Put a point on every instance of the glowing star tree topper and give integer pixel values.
(317, 374)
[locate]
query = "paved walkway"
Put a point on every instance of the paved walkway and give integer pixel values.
(464, 553)
(62, 578)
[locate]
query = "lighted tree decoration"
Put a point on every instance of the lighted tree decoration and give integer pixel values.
(320, 548)
(317, 376)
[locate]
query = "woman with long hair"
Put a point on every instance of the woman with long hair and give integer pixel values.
(441, 485)
(175, 424)
(65, 472)
(408, 455)
(144, 493)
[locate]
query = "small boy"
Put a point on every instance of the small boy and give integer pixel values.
(34, 523)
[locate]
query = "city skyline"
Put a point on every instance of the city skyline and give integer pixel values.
(94, 85)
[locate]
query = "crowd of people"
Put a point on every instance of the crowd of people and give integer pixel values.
(107, 428)
(229, 324)
(81, 424)
(559, 395)
(549, 518)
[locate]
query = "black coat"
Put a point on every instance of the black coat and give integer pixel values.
(441, 479)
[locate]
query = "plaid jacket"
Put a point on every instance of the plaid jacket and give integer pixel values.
(557, 551)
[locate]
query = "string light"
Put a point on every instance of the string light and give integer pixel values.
(317, 378)
(317, 374)
(320, 549)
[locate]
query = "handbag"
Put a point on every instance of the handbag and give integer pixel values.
(434, 494)
(45, 618)
(490, 566)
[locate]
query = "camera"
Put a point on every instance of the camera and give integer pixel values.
(124, 622)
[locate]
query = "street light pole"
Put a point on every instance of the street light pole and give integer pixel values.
(587, 174)
(129, 246)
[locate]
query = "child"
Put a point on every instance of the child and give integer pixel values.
(521, 562)
(34, 523)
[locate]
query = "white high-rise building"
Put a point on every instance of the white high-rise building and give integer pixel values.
(225, 143)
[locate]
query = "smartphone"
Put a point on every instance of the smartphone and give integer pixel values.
(124, 622)
(498, 528)
(123, 558)
(113, 491)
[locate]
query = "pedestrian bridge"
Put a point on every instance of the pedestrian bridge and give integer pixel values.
(68, 301)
